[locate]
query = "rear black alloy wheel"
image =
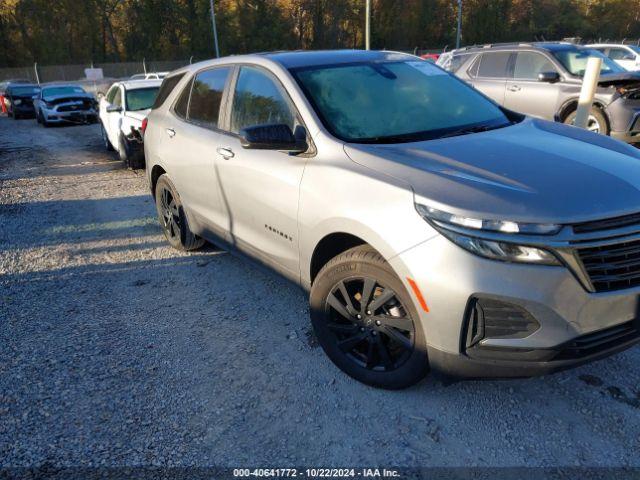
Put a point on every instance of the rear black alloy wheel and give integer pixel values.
(370, 324)
(172, 217)
(366, 321)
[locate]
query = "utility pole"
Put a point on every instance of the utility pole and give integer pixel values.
(215, 32)
(367, 30)
(459, 32)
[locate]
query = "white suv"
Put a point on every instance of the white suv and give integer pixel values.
(122, 111)
(627, 56)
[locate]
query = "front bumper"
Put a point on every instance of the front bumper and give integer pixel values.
(23, 109)
(624, 116)
(77, 116)
(518, 363)
(449, 278)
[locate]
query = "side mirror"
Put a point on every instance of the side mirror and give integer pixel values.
(35, 97)
(274, 137)
(629, 56)
(114, 108)
(549, 77)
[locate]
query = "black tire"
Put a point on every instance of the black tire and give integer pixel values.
(172, 217)
(123, 152)
(15, 116)
(105, 139)
(377, 357)
(597, 120)
(44, 122)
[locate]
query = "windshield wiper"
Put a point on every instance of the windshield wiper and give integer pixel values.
(475, 129)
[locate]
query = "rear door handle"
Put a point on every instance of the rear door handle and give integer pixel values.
(514, 88)
(225, 152)
(171, 132)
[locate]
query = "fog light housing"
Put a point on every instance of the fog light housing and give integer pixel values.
(490, 318)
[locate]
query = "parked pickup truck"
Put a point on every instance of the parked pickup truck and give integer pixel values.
(122, 111)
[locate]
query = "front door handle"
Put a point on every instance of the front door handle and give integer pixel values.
(171, 132)
(514, 88)
(225, 152)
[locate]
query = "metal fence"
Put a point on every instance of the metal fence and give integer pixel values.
(55, 73)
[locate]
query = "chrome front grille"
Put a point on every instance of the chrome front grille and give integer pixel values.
(612, 267)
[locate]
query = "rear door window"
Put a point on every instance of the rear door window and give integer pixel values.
(494, 65)
(206, 96)
(529, 64)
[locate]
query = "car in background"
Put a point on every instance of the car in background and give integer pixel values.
(3, 88)
(433, 228)
(149, 76)
(60, 103)
(122, 111)
(19, 99)
(627, 56)
(544, 80)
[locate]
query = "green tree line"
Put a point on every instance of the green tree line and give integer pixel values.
(82, 31)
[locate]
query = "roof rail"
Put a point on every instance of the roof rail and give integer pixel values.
(491, 45)
(509, 44)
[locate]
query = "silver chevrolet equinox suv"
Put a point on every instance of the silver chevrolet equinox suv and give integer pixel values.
(544, 80)
(433, 228)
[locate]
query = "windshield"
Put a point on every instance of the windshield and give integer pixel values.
(575, 61)
(395, 101)
(24, 90)
(634, 48)
(56, 91)
(141, 98)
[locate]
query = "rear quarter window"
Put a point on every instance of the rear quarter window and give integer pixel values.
(457, 61)
(168, 84)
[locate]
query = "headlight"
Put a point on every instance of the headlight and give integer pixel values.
(507, 252)
(503, 226)
(493, 249)
(17, 101)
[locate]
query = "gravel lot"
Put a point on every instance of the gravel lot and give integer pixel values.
(117, 350)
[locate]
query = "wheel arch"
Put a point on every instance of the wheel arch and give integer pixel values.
(330, 246)
(156, 172)
(572, 104)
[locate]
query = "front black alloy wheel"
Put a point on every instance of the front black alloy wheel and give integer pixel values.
(366, 322)
(370, 324)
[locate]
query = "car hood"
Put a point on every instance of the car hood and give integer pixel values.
(56, 99)
(619, 79)
(534, 171)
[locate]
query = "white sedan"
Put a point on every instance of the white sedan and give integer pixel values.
(122, 111)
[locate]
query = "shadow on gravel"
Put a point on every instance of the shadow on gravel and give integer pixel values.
(42, 169)
(77, 221)
(208, 256)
